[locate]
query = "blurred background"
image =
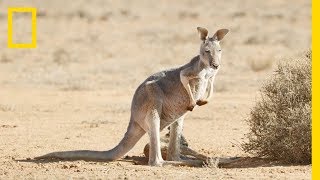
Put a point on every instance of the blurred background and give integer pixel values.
(88, 44)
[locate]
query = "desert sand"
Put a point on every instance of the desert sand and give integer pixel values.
(74, 90)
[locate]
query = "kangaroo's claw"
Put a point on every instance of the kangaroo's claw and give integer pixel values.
(201, 102)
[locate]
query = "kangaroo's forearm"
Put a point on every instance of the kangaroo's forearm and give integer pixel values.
(186, 85)
(185, 82)
(210, 88)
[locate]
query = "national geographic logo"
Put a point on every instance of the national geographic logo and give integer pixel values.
(33, 11)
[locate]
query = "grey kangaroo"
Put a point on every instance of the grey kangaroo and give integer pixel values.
(163, 99)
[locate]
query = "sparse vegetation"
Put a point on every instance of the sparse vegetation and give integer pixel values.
(75, 85)
(280, 123)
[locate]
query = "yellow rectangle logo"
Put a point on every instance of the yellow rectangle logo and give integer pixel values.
(33, 12)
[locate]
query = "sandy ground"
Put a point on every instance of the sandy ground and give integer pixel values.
(74, 90)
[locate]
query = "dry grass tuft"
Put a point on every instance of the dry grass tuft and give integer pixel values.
(5, 59)
(257, 65)
(76, 85)
(7, 108)
(61, 57)
(280, 124)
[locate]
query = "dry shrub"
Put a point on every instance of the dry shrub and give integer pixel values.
(280, 123)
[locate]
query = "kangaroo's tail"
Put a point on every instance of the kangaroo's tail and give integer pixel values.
(131, 137)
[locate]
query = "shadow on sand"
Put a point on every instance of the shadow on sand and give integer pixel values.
(233, 162)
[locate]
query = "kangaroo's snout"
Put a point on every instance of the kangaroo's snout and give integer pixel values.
(214, 65)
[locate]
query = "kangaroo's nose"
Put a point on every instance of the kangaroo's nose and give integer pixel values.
(215, 66)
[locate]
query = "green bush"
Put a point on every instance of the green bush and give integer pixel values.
(280, 123)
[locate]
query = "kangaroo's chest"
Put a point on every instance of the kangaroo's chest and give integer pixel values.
(207, 73)
(200, 84)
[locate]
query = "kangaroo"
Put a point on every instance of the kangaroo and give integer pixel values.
(162, 100)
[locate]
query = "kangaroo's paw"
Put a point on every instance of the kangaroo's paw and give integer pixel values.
(190, 108)
(201, 102)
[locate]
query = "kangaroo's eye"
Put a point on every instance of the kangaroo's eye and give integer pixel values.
(219, 50)
(207, 51)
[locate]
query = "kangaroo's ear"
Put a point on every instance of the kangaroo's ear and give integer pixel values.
(203, 33)
(220, 34)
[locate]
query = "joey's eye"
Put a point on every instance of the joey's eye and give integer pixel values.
(219, 50)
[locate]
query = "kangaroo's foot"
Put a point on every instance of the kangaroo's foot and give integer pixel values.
(171, 157)
(201, 102)
(156, 163)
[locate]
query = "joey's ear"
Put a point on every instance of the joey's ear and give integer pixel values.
(220, 34)
(203, 33)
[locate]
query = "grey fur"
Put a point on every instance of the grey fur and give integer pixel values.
(163, 99)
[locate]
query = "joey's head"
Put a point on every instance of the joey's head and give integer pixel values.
(210, 49)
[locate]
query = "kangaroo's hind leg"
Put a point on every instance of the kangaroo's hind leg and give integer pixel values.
(155, 102)
(155, 158)
(155, 96)
(175, 138)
